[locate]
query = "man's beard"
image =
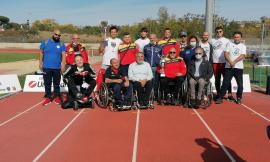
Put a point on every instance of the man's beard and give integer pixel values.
(55, 39)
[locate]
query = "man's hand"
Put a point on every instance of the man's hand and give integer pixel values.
(126, 83)
(41, 66)
(162, 71)
(179, 74)
(232, 63)
(63, 68)
(143, 82)
(119, 81)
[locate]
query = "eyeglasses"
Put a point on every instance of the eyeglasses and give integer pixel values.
(219, 31)
(183, 36)
(198, 53)
(59, 35)
(172, 52)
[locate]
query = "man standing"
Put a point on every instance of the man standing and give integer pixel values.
(183, 40)
(219, 46)
(140, 73)
(52, 62)
(168, 42)
(127, 52)
(207, 47)
(75, 48)
(234, 55)
(152, 55)
(109, 49)
(143, 40)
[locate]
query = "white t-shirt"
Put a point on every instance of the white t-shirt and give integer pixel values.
(219, 46)
(235, 51)
(111, 50)
(141, 43)
(206, 48)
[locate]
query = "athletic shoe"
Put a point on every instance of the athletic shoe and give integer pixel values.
(239, 101)
(57, 100)
(46, 102)
(83, 100)
(230, 98)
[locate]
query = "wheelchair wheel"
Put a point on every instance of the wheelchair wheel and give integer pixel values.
(209, 94)
(135, 100)
(160, 98)
(103, 96)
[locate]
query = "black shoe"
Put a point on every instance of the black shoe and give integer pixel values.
(198, 103)
(78, 96)
(239, 101)
(168, 99)
(219, 101)
(230, 98)
(192, 102)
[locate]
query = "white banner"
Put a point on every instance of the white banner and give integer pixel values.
(35, 83)
(246, 84)
(9, 83)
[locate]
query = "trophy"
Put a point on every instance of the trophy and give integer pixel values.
(162, 64)
(104, 27)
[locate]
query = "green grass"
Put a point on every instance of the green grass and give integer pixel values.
(11, 57)
(249, 70)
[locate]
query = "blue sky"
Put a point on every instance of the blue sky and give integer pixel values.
(90, 12)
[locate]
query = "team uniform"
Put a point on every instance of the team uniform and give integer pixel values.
(234, 50)
(141, 43)
(72, 51)
(127, 54)
(219, 46)
(167, 44)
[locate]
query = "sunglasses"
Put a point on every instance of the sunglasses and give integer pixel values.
(198, 53)
(219, 31)
(59, 35)
(172, 52)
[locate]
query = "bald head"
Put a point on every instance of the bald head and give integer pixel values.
(56, 35)
(75, 38)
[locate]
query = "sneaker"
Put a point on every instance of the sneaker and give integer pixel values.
(219, 101)
(83, 100)
(46, 102)
(230, 98)
(239, 101)
(57, 100)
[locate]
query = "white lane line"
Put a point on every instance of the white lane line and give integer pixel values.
(135, 144)
(57, 137)
(18, 115)
(255, 112)
(215, 137)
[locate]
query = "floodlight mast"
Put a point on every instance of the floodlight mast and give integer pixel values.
(209, 12)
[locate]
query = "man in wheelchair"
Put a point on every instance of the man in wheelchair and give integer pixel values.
(116, 80)
(199, 73)
(80, 79)
(173, 70)
(140, 74)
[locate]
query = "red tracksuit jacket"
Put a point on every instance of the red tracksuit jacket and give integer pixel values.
(70, 54)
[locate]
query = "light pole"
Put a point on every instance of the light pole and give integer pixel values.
(209, 9)
(262, 31)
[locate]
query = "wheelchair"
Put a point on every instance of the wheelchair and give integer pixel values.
(207, 95)
(170, 99)
(105, 99)
(69, 100)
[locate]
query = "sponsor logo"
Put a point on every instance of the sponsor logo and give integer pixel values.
(32, 84)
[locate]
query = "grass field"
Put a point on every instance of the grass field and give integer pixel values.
(11, 57)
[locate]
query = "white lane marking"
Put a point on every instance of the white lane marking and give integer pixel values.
(18, 115)
(255, 112)
(56, 137)
(135, 144)
(215, 137)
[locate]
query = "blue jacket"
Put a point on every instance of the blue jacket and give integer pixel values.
(152, 54)
(188, 55)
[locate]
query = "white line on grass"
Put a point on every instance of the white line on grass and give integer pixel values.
(18, 115)
(57, 137)
(135, 144)
(215, 137)
(260, 115)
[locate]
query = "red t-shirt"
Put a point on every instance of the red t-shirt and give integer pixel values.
(70, 54)
(127, 53)
(167, 44)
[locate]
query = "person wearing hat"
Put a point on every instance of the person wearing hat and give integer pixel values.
(183, 40)
(52, 61)
(75, 48)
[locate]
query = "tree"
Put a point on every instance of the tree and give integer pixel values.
(4, 20)
(163, 16)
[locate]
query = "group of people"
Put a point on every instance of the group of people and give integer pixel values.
(146, 64)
